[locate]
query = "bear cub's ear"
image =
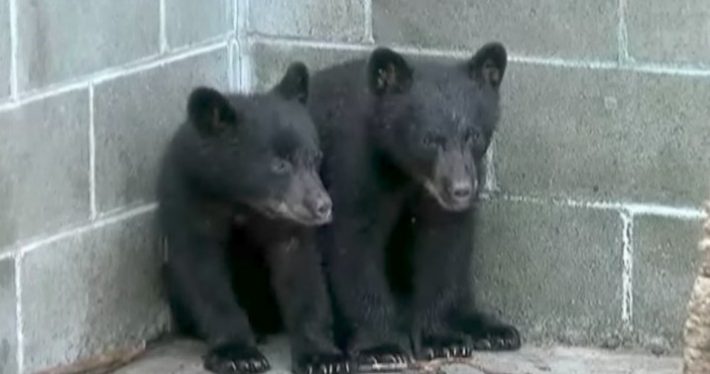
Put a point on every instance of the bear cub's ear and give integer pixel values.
(209, 111)
(294, 84)
(487, 66)
(388, 72)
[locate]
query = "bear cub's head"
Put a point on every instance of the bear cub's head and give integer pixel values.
(261, 150)
(435, 119)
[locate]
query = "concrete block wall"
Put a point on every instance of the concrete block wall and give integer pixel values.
(588, 234)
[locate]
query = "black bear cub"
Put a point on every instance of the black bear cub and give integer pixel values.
(240, 181)
(404, 143)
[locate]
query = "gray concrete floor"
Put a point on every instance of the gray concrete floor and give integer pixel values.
(183, 357)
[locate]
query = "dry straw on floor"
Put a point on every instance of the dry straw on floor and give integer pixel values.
(696, 353)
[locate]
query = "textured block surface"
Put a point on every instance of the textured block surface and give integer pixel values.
(669, 31)
(571, 29)
(91, 293)
(8, 321)
(555, 272)
(665, 120)
(342, 20)
(63, 39)
(44, 164)
(603, 134)
(666, 262)
(5, 54)
(189, 21)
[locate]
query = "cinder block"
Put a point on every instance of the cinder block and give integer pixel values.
(92, 293)
(666, 260)
(665, 148)
(5, 53)
(342, 20)
(8, 322)
(269, 61)
(553, 271)
(44, 163)
(603, 134)
(135, 117)
(554, 121)
(548, 28)
(668, 31)
(189, 21)
(63, 39)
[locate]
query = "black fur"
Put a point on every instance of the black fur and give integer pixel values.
(404, 144)
(239, 201)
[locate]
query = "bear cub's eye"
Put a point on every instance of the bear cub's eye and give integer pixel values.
(432, 140)
(280, 166)
(318, 158)
(473, 136)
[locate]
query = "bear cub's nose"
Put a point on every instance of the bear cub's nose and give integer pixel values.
(461, 190)
(322, 207)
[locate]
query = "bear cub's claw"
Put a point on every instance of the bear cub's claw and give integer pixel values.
(444, 347)
(323, 364)
(497, 338)
(235, 358)
(385, 358)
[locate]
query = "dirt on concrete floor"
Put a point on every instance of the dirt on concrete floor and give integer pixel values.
(184, 357)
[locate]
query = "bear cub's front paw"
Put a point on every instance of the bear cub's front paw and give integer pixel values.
(235, 358)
